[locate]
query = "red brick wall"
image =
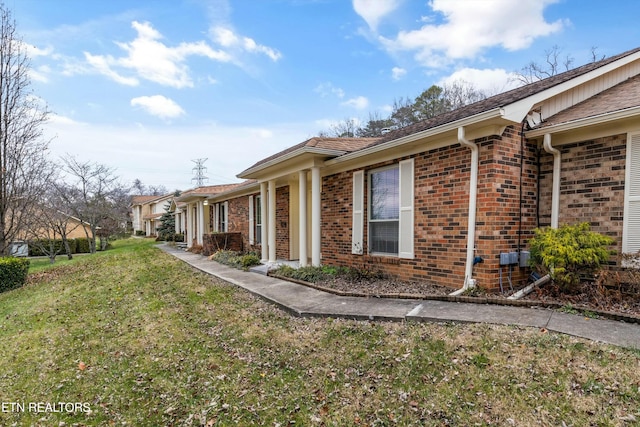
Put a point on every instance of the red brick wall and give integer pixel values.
(239, 221)
(441, 207)
(282, 222)
(591, 185)
(506, 214)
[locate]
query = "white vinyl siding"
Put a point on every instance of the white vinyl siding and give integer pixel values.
(358, 214)
(631, 227)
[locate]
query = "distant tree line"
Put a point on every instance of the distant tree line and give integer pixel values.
(437, 100)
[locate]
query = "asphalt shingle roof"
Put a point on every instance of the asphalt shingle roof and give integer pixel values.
(619, 97)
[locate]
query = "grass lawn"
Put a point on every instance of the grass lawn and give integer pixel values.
(135, 337)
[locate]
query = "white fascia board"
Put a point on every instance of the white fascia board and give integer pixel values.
(587, 121)
(239, 192)
(288, 156)
(448, 127)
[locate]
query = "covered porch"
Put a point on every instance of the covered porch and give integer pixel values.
(299, 169)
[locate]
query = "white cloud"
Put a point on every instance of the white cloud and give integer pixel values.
(159, 106)
(327, 88)
(489, 81)
(168, 150)
(469, 27)
(372, 11)
(101, 64)
(40, 74)
(228, 39)
(152, 60)
(397, 73)
(359, 103)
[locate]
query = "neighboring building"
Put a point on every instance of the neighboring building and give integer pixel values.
(429, 201)
(196, 216)
(146, 212)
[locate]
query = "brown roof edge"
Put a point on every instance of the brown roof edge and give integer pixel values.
(501, 99)
(329, 143)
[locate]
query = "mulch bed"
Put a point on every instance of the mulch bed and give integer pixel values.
(615, 302)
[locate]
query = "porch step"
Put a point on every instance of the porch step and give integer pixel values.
(260, 269)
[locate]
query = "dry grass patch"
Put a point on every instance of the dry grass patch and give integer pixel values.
(144, 339)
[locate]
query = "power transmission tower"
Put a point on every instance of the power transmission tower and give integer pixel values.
(199, 171)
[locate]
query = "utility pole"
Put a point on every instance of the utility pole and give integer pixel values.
(199, 171)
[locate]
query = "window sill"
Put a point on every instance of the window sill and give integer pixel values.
(382, 259)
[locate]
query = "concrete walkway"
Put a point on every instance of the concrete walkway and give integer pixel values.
(304, 301)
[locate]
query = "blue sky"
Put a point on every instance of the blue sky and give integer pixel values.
(147, 86)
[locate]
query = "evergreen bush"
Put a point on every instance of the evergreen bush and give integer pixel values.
(13, 273)
(569, 253)
(82, 245)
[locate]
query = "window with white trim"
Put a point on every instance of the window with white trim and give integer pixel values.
(223, 217)
(258, 221)
(390, 210)
(384, 210)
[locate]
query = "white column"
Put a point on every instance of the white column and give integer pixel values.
(315, 216)
(302, 184)
(272, 221)
(265, 221)
(189, 222)
(199, 238)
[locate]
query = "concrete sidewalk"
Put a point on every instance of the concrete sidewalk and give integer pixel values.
(302, 300)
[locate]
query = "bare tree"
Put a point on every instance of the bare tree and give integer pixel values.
(552, 65)
(89, 194)
(138, 188)
(375, 126)
(403, 112)
(23, 164)
(459, 93)
(346, 128)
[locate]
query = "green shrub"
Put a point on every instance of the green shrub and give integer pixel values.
(140, 233)
(82, 245)
(249, 260)
(318, 274)
(13, 273)
(236, 259)
(36, 247)
(569, 253)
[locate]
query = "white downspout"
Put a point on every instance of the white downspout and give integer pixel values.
(555, 192)
(469, 282)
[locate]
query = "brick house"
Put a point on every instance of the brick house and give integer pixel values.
(429, 201)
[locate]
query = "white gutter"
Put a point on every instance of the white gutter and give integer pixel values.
(599, 119)
(469, 282)
(435, 131)
(555, 192)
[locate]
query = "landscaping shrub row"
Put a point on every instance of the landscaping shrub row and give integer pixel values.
(13, 273)
(313, 274)
(77, 246)
(235, 259)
